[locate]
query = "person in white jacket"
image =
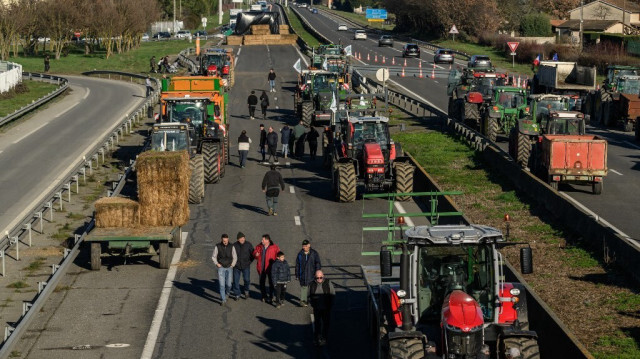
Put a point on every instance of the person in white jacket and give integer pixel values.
(243, 147)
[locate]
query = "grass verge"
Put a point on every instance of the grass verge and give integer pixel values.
(35, 90)
(602, 305)
(297, 27)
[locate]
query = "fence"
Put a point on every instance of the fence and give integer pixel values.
(10, 75)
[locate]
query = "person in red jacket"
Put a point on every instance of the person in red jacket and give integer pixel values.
(265, 254)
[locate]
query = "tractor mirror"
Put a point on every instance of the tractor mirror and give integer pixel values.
(385, 263)
(526, 260)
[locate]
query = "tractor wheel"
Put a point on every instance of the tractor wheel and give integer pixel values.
(596, 187)
(519, 147)
(222, 165)
(405, 348)
(346, 183)
(307, 112)
(458, 110)
(232, 76)
(553, 184)
(196, 182)
(628, 125)
(491, 128)
(404, 179)
(96, 252)
(163, 255)
(471, 114)
(528, 347)
(211, 162)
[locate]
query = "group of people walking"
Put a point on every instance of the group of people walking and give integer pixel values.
(233, 262)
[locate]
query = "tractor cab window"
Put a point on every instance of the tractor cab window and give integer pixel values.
(444, 269)
(370, 132)
(191, 112)
(169, 141)
(629, 86)
(324, 83)
(546, 106)
(565, 126)
(215, 60)
(486, 85)
(510, 99)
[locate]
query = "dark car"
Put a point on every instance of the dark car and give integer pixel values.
(314, 11)
(385, 40)
(479, 61)
(443, 55)
(162, 35)
(411, 50)
(200, 33)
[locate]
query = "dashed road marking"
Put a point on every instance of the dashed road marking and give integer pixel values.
(288, 163)
(291, 189)
(297, 220)
(616, 172)
(239, 50)
(400, 209)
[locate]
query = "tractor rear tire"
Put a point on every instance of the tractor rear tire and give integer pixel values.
(528, 347)
(307, 113)
(471, 114)
(404, 179)
(519, 147)
(211, 155)
(491, 128)
(406, 348)
(96, 252)
(163, 255)
(196, 182)
(596, 187)
(347, 184)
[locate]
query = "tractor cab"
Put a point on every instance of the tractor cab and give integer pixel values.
(623, 79)
(170, 137)
(563, 123)
(486, 82)
(194, 113)
(215, 62)
(543, 104)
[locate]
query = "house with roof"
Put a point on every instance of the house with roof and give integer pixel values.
(626, 12)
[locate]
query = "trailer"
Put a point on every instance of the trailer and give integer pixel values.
(566, 78)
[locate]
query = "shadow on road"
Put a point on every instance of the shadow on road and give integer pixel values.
(199, 287)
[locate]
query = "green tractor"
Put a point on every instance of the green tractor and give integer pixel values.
(507, 106)
(317, 92)
(470, 92)
(617, 100)
(333, 59)
(528, 128)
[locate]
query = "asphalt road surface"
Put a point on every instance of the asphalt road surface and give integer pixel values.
(621, 193)
(37, 153)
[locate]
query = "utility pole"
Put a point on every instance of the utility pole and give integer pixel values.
(219, 12)
(581, 24)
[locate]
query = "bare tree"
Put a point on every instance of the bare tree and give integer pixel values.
(9, 29)
(59, 18)
(602, 12)
(108, 24)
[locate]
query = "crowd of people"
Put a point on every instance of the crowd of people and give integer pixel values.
(233, 262)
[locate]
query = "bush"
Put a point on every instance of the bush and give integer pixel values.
(535, 24)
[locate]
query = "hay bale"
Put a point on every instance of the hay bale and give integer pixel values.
(234, 40)
(112, 212)
(284, 29)
(163, 188)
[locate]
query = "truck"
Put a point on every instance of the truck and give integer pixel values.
(617, 102)
(233, 16)
(566, 78)
(201, 103)
(440, 290)
(563, 152)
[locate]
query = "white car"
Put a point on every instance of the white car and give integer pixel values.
(342, 27)
(360, 35)
(303, 5)
(145, 37)
(183, 34)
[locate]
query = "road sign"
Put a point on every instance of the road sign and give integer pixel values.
(454, 30)
(513, 54)
(513, 46)
(204, 22)
(376, 14)
(382, 74)
(374, 20)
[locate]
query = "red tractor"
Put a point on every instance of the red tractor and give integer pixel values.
(363, 153)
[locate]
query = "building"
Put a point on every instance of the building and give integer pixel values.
(571, 28)
(603, 10)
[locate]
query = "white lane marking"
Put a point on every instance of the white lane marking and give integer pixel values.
(303, 57)
(156, 323)
(86, 94)
(297, 220)
(632, 145)
(68, 109)
(239, 50)
(616, 172)
(288, 163)
(30, 133)
(400, 209)
(291, 189)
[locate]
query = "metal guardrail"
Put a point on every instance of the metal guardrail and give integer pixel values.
(184, 60)
(45, 288)
(61, 81)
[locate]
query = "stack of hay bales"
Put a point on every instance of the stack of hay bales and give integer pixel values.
(284, 29)
(234, 40)
(117, 212)
(262, 29)
(261, 35)
(163, 188)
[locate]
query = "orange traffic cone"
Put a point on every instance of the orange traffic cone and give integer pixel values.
(360, 56)
(420, 76)
(402, 72)
(419, 64)
(368, 57)
(393, 60)
(405, 62)
(598, 87)
(376, 58)
(449, 66)
(433, 72)
(383, 59)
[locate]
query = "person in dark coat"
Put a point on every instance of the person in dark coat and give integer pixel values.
(321, 296)
(292, 142)
(284, 139)
(281, 276)
(152, 64)
(243, 147)
(252, 102)
(327, 146)
(300, 133)
(272, 81)
(47, 62)
(263, 143)
(272, 184)
(272, 145)
(312, 138)
(307, 263)
(224, 257)
(244, 252)
(264, 104)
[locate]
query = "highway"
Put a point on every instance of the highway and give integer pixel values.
(36, 153)
(621, 193)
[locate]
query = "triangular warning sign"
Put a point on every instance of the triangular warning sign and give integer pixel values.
(454, 30)
(513, 46)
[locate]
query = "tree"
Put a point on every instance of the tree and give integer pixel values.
(602, 12)
(535, 24)
(9, 28)
(58, 18)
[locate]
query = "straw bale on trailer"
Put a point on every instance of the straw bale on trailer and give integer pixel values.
(163, 188)
(117, 212)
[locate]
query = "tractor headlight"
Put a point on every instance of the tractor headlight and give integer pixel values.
(401, 293)
(514, 291)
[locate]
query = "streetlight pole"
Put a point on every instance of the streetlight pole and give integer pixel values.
(581, 24)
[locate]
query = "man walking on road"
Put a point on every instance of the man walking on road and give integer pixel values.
(149, 87)
(322, 294)
(272, 146)
(307, 263)
(272, 183)
(284, 138)
(252, 101)
(264, 104)
(272, 81)
(263, 143)
(243, 147)
(224, 257)
(312, 138)
(265, 254)
(244, 251)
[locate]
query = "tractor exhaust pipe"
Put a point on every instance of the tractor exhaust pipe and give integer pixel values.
(404, 285)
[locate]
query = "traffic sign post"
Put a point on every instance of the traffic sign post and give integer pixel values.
(513, 46)
(454, 31)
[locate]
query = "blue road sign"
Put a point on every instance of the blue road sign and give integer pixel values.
(376, 14)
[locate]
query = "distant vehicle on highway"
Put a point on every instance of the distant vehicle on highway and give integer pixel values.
(385, 40)
(183, 34)
(411, 50)
(443, 55)
(200, 33)
(342, 27)
(162, 35)
(303, 5)
(360, 35)
(482, 61)
(145, 37)
(314, 11)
